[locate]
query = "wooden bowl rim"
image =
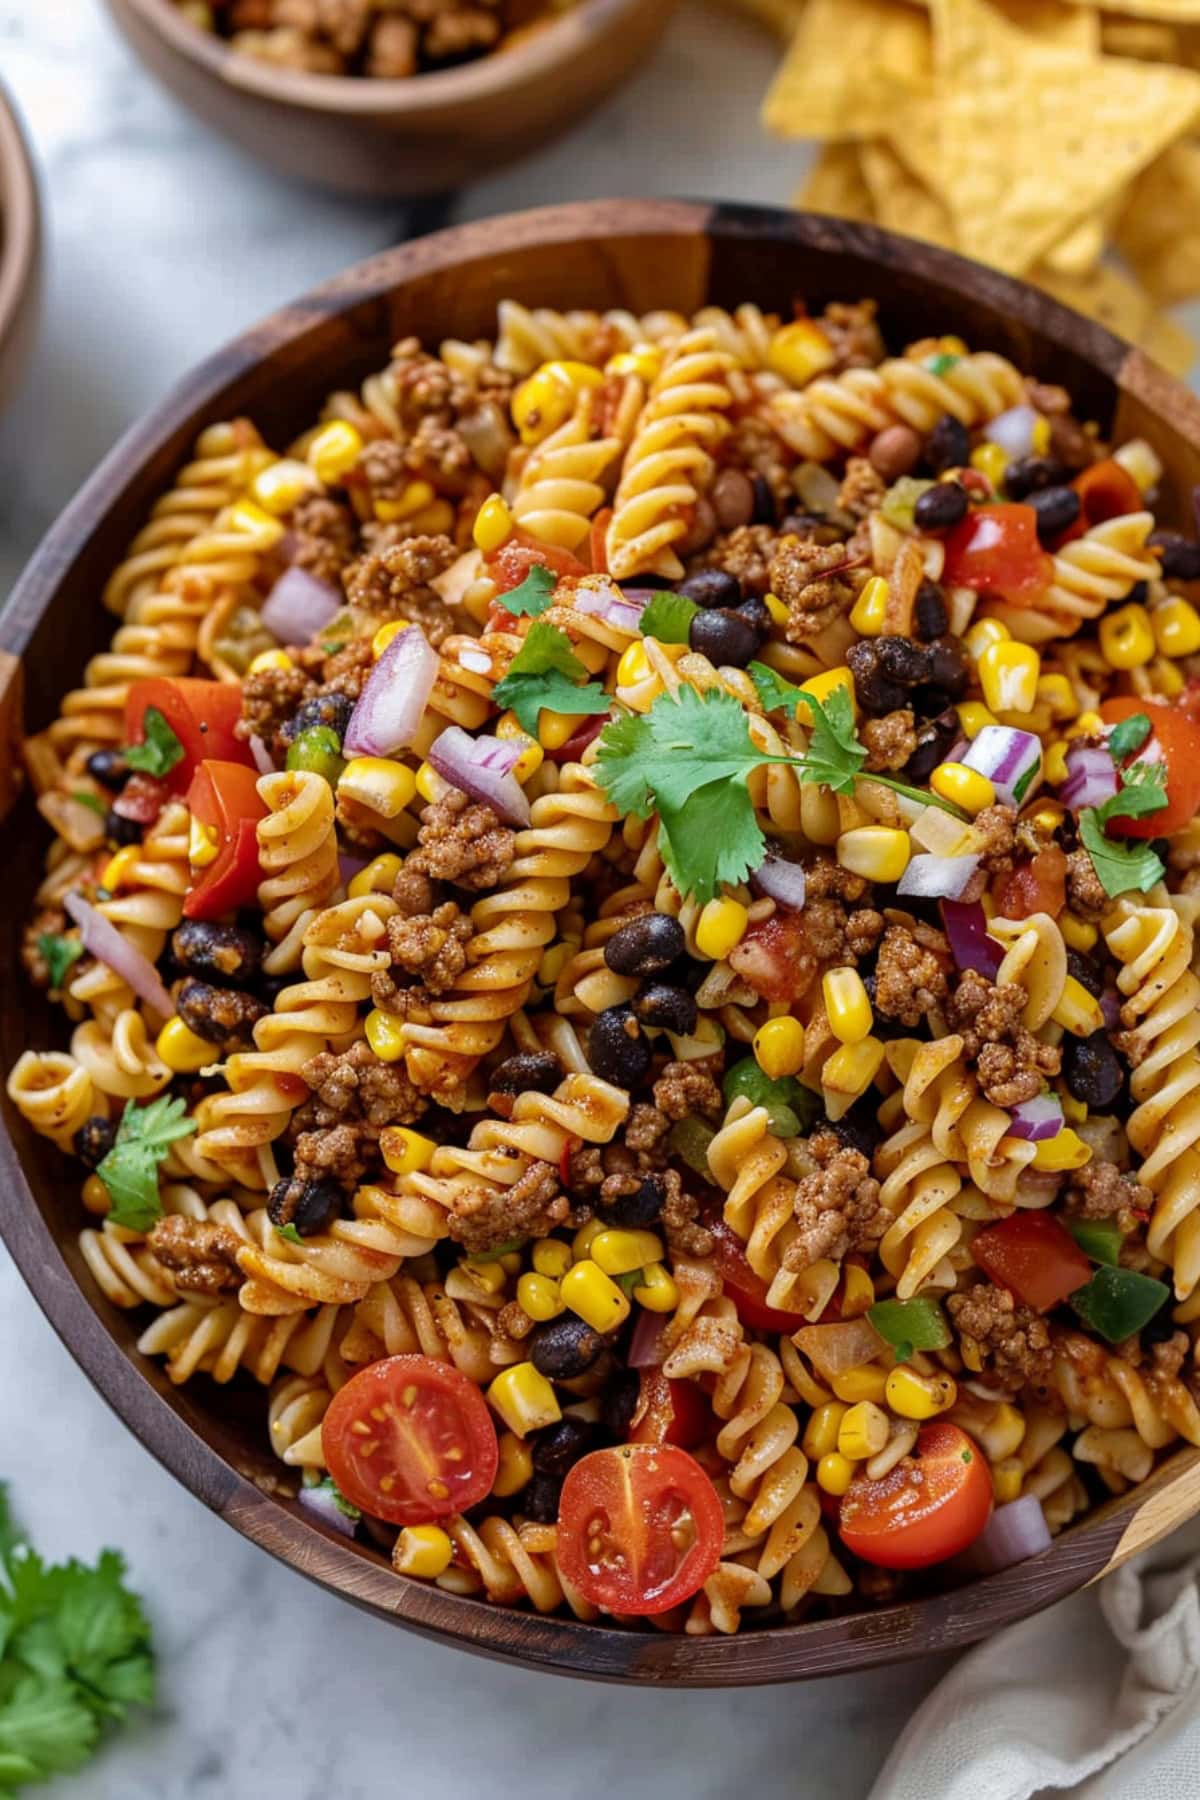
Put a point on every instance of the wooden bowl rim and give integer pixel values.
(540, 56)
(19, 216)
(566, 1646)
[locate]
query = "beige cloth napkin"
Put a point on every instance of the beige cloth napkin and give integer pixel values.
(1099, 1698)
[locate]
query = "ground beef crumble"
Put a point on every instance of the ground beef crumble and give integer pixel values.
(395, 582)
(269, 698)
(745, 552)
(851, 329)
(1100, 1191)
(200, 1255)
(432, 945)
(862, 490)
(910, 973)
(839, 936)
(684, 1088)
(837, 1206)
(324, 532)
(1085, 893)
(996, 826)
(463, 842)
(354, 1097)
(814, 582)
(1012, 1064)
(1013, 1340)
(890, 741)
(825, 878)
(481, 1218)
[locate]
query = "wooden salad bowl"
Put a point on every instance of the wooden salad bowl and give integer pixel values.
(424, 135)
(20, 248)
(617, 253)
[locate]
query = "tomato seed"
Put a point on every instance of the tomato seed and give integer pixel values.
(360, 1428)
(437, 1489)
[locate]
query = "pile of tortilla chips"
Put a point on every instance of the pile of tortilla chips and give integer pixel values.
(1058, 140)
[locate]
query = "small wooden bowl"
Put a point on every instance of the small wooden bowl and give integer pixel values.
(20, 248)
(389, 138)
(620, 253)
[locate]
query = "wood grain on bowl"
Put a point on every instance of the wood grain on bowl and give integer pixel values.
(427, 134)
(633, 254)
(20, 248)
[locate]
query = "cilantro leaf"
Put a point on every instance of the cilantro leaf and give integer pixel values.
(130, 1170)
(161, 749)
(289, 1234)
(668, 618)
(83, 797)
(712, 840)
(834, 755)
(1143, 790)
(1120, 864)
(58, 953)
(545, 673)
(45, 1729)
(684, 742)
(1127, 736)
(773, 690)
(535, 594)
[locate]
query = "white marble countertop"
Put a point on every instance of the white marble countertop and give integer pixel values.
(162, 242)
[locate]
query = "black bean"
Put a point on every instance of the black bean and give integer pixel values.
(764, 501)
(220, 1015)
(667, 1007)
(931, 616)
(645, 946)
(331, 710)
(528, 1072)
(948, 445)
(811, 528)
(934, 738)
(1160, 1328)
(1057, 509)
(109, 768)
(618, 1049)
(618, 1403)
(754, 611)
(224, 954)
(724, 637)
(564, 1348)
(1180, 556)
(712, 587)
(557, 1446)
(902, 661)
(1092, 1070)
(94, 1139)
(308, 1205)
(1138, 594)
(859, 1129)
(1085, 972)
(875, 692)
(637, 1210)
(1030, 474)
(940, 507)
(120, 830)
(539, 1501)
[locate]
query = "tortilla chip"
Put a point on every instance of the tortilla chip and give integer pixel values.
(1064, 22)
(1147, 39)
(1126, 308)
(901, 201)
(849, 65)
(1159, 230)
(835, 185)
(1023, 141)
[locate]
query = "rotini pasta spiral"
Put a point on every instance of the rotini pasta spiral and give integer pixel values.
(297, 852)
(561, 485)
(54, 1093)
(842, 412)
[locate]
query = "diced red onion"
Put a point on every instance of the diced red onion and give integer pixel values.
(972, 948)
(579, 739)
(392, 703)
(1013, 1534)
(477, 661)
(262, 756)
(1110, 1006)
(835, 1349)
(780, 880)
(1037, 1119)
(1011, 760)
(299, 606)
(483, 767)
(141, 799)
(322, 1504)
(102, 940)
(1013, 431)
(1091, 777)
(646, 1347)
(608, 603)
(956, 750)
(937, 877)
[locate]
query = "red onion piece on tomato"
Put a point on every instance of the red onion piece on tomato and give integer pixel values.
(780, 880)
(646, 1347)
(391, 705)
(322, 1504)
(262, 756)
(102, 940)
(970, 945)
(1091, 777)
(1037, 1119)
(937, 877)
(483, 767)
(1013, 1534)
(299, 606)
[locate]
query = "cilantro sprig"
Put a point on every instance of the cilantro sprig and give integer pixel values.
(76, 1655)
(130, 1170)
(534, 596)
(547, 673)
(160, 750)
(58, 954)
(1128, 736)
(668, 617)
(1125, 864)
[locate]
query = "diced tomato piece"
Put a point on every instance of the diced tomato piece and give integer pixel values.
(1032, 887)
(1176, 734)
(224, 798)
(598, 541)
(747, 1290)
(774, 955)
(1034, 1257)
(1107, 491)
(202, 714)
(670, 1412)
(996, 551)
(509, 566)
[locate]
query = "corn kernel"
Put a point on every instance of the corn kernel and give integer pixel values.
(547, 398)
(656, 1291)
(1176, 626)
(490, 1277)
(183, 1051)
(644, 360)
(779, 1047)
(1169, 680)
(385, 634)
(721, 928)
(510, 1262)
(1039, 437)
(253, 522)
(1075, 1111)
(1078, 934)
(493, 524)
(858, 1291)
(382, 786)
(556, 728)
(433, 520)
(1007, 1479)
(1066, 1151)
(119, 868)
(863, 1432)
(982, 634)
(524, 1399)
(530, 761)
(850, 1071)
(430, 785)
(867, 1383)
(539, 1297)
(621, 1252)
(821, 686)
(514, 1471)
(1056, 692)
(1088, 724)
(880, 852)
(423, 1550)
(282, 485)
(509, 726)
(1005, 1432)
(834, 1474)
(964, 787)
(379, 876)
(581, 1243)
(846, 1005)
(1055, 766)
(778, 611)
(821, 1432)
(1008, 675)
(592, 1297)
(991, 460)
(1127, 638)
(973, 715)
(914, 1396)
(799, 351)
(869, 611)
(551, 1257)
(1140, 460)
(405, 1152)
(416, 496)
(334, 451)
(270, 659)
(1078, 1011)
(634, 665)
(385, 1036)
(96, 1197)
(952, 345)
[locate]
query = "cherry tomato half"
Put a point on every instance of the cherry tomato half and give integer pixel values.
(747, 1290)
(510, 564)
(929, 1507)
(1177, 735)
(640, 1528)
(224, 798)
(670, 1412)
(1033, 1256)
(428, 1448)
(202, 714)
(996, 551)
